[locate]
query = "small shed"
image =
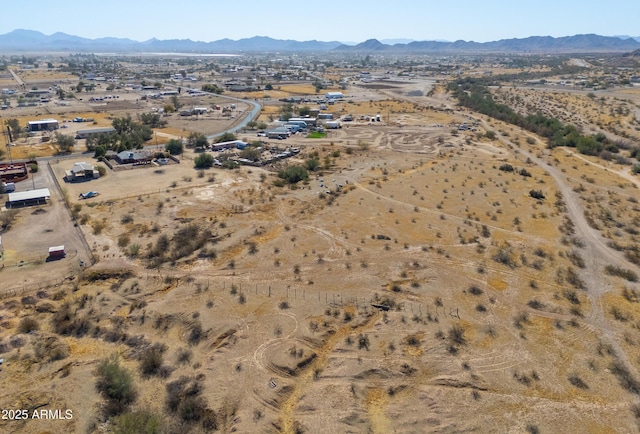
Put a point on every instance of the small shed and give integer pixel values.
(56, 252)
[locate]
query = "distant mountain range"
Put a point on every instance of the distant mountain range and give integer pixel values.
(33, 41)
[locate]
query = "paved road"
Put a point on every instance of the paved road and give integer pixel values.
(246, 116)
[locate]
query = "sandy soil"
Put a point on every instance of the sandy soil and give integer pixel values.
(489, 310)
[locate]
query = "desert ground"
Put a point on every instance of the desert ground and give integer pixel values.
(411, 284)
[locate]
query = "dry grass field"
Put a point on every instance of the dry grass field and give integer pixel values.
(429, 292)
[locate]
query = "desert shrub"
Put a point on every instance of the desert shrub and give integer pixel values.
(293, 174)
(535, 304)
(413, 340)
(28, 325)
(475, 290)
(626, 379)
(363, 342)
(571, 295)
(537, 194)
(17, 341)
(533, 429)
(45, 307)
(184, 398)
(203, 161)
(28, 300)
(66, 322)
(577, 382)
(456, 335)
(183, 356)
(196, 333)
(51, 349)
(283, 305)
(631, 295)
(506, 167)
(618, 314)
(573, 278)
(504, 256)
(138, 422)
(116, 386)
(520, 320)
(629, 275)
(576, 259)
(151, 359)
(123, 240)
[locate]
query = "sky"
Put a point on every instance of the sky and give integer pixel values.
(325, 20)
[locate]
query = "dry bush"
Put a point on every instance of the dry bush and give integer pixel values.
(66, 322)
(151, 360)
(184, 399)
(27, 325)
(50, 349)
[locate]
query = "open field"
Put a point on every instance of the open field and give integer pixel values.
(411, 284)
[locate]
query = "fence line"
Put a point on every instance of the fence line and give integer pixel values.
(31, 287)
(83, 240)
(147, 193)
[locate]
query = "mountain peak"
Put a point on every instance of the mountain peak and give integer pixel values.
(31, 40)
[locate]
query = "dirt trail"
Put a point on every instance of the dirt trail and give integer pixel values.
(596, 254)
(288, 407)
(595, 251)
(626, 174)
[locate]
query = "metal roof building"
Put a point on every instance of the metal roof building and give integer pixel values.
(31, 197)
(42, 125)
(84, 134)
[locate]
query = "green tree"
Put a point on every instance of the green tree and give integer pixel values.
(153, 120)
(305, 110)
(129, 134)
(174, 147)
(115, 384)
(14, 126)
(169, 108)
(212, 88)
(293, 174)
(286, 111)
(176, 102)
(203, 161)
(64, 143)
(312, 164)
(197, 141)
(250, 153)
(226, 137)
(80, 86)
